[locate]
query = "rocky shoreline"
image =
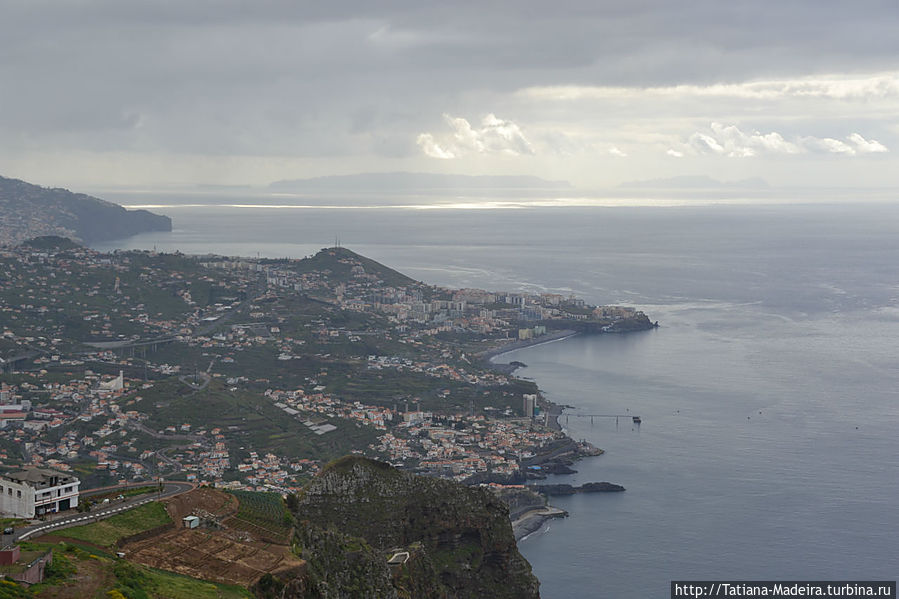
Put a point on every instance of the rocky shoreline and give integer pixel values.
(533, 520)
(556, 459)
(528, 510)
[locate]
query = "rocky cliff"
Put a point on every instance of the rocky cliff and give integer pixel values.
(28, 211)
(447, 541)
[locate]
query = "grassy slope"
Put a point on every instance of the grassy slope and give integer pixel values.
(106, 532)
(95, 576)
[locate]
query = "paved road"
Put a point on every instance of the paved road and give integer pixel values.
(163, 456)
(128, 343)
(206, 378)
(76, 518)
(156, 435)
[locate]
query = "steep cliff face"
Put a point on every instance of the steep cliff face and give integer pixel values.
(339, 566)
(455, 542)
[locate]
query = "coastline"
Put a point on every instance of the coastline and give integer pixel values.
(533, 520)
(490, 354)
(552, 410)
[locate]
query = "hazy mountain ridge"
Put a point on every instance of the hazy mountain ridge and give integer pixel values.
(28, 211)
(696, 182)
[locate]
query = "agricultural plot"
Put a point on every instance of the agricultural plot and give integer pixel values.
(263, 515)
(253, 541)
(212, 555)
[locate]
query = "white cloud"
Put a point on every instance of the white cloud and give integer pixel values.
(616, 151)
(731, 141)
(431, 148)
(736, 143)
(866, 146)
(494, 136)
(674, 153)
(858, 145)
(828, 145)
(836, 87)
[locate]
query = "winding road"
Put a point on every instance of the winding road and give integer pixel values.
(170, 489)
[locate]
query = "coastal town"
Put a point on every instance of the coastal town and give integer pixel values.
(254, 373)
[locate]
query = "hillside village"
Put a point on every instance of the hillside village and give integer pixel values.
(251, 374)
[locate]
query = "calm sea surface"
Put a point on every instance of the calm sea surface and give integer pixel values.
(769, 395)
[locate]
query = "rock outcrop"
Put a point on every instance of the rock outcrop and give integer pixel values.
(565, 489)
(447, 540)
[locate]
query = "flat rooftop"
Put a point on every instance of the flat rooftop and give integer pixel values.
(39, 478)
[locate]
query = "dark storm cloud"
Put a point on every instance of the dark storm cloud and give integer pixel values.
(313, 78)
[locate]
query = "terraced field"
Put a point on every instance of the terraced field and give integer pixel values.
(213, 555)
(243, 536)
(262, 515)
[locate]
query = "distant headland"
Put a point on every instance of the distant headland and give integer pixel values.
(28, 211)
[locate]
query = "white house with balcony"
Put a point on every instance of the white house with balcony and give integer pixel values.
(36, 491)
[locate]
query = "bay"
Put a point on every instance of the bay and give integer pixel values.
(768, 395)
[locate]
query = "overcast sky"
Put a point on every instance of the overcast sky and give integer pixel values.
(112, 92)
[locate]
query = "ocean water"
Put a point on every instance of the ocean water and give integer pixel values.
(769, 394)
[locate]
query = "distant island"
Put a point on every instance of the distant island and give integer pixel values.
(696, 182)
(401, 181)
(28, 211)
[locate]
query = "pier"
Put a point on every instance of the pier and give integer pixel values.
(635, 419)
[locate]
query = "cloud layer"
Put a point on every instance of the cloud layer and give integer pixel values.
(594, 91)
(874, 86)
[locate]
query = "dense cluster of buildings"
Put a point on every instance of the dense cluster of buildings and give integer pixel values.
(452, 445)
(415, 309)
(460, 446)
(66, 316)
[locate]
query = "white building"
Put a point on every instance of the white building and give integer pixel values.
(10, 414)
(530, 401)
(36, 491)
(116, 384)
